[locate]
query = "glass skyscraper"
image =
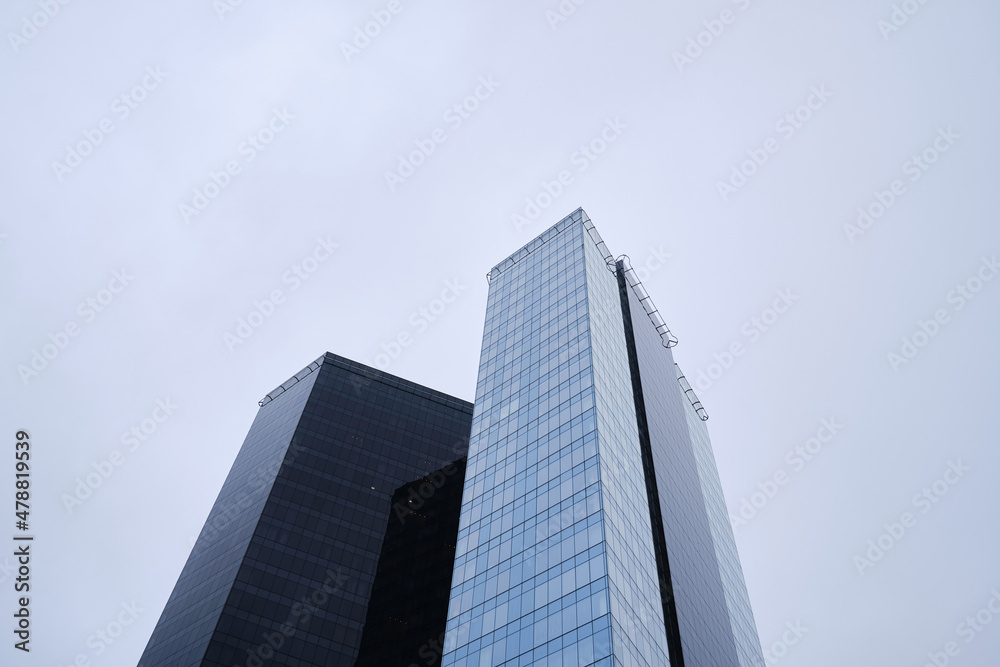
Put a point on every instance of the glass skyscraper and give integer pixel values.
(593, 529)
(574, 517)
(283, 571)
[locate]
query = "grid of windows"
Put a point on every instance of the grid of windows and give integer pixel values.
(637, 612)
(532, 582)
(714, 617)
(294, 584)
(581, 438)
(409, 602)
(185, 627)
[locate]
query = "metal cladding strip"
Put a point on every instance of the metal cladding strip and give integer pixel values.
(669, 340)
(291, 382)
(536, 243)
(601, 246)
(689, 392)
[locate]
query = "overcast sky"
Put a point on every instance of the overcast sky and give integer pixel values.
(169, 170)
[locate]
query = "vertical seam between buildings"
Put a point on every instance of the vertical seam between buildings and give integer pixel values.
(670, 620)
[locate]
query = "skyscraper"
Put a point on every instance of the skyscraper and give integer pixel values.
(581, 523)
(283, 571)
(593, 529)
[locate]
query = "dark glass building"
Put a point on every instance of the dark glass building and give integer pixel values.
(575, 518)
(284, 570)
(593, 528)
(409, 603)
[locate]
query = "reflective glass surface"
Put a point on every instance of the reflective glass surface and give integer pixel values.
(554, 557)
(288, 580)
(185, 628)
(713, 611)
(409, 602)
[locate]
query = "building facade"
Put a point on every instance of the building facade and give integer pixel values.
(284, 569)
(409, 602)
(593, 529)
(575, 517)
